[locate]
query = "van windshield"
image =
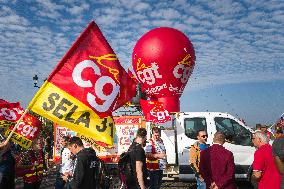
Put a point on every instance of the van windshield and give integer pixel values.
(234, 132)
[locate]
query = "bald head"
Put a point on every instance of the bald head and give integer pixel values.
(219, 137)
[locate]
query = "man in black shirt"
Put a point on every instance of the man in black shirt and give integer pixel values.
(138, 159)
(84, 174)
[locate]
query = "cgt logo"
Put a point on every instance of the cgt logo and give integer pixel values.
(10, 114)
(106, 100)
(27, 130)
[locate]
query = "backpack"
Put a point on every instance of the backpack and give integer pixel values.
(126, 175)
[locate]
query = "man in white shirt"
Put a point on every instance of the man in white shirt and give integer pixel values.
(67, 164)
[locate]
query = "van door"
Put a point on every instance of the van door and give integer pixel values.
(186, 136)
(238, 141)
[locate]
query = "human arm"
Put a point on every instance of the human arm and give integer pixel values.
(204, 171)
(256, 175)
(193, 156)
(160, 155)
(213, 186)
(3, 144)
(159, 151)
(279, 164)
(277, 151)
(257, 166)
(139, 173)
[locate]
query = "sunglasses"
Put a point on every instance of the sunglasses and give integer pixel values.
(204, 136)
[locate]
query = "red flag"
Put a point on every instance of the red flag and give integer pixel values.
(91, 72)
(9, 112)
(154, 111)
(28, 129)
(86, 87)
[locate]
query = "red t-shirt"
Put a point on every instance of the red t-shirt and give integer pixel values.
(263, 161)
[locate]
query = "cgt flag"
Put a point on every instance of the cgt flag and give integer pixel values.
(28, 128)
(85, 87)
(10, 113)
(154, 111)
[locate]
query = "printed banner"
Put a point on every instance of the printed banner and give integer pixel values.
(59, 132)
(86, 86)
(126, 128)
(26, 132)
(154, 111)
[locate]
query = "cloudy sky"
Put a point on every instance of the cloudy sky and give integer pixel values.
(239, 47)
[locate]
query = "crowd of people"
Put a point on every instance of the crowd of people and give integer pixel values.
(213, 165)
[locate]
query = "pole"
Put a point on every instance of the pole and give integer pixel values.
(16, 126)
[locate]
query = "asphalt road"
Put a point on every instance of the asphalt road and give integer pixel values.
(49, 180)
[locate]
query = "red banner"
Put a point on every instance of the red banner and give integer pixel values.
(85, 88)
(9, 112)
(29, 127)
(154, 111)
(27, 130)
(91, 72)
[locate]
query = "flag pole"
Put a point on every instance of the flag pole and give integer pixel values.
(16, 126)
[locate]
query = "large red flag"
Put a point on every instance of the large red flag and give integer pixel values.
(87, 86)
(154, 111)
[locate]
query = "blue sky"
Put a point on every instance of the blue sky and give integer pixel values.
(239, 47)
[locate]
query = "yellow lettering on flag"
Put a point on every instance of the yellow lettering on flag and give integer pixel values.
(5, 124)
(19, 139)
(57, 105)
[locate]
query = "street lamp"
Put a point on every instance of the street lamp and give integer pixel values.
(35, 78)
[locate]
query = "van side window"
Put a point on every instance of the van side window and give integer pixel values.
(234, 132)
(192, 125)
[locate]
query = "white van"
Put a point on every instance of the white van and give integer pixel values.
(181, 133)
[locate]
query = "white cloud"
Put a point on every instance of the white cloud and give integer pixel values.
(77, 10)
(235, 41)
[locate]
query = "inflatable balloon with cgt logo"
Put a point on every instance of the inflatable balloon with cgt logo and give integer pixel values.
(163, 60)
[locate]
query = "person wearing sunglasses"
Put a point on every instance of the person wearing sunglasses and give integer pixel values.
(194, 157)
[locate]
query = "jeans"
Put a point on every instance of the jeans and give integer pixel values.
(200, 184)
(155, 179)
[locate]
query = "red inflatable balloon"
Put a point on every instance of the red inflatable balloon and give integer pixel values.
(163, 60)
